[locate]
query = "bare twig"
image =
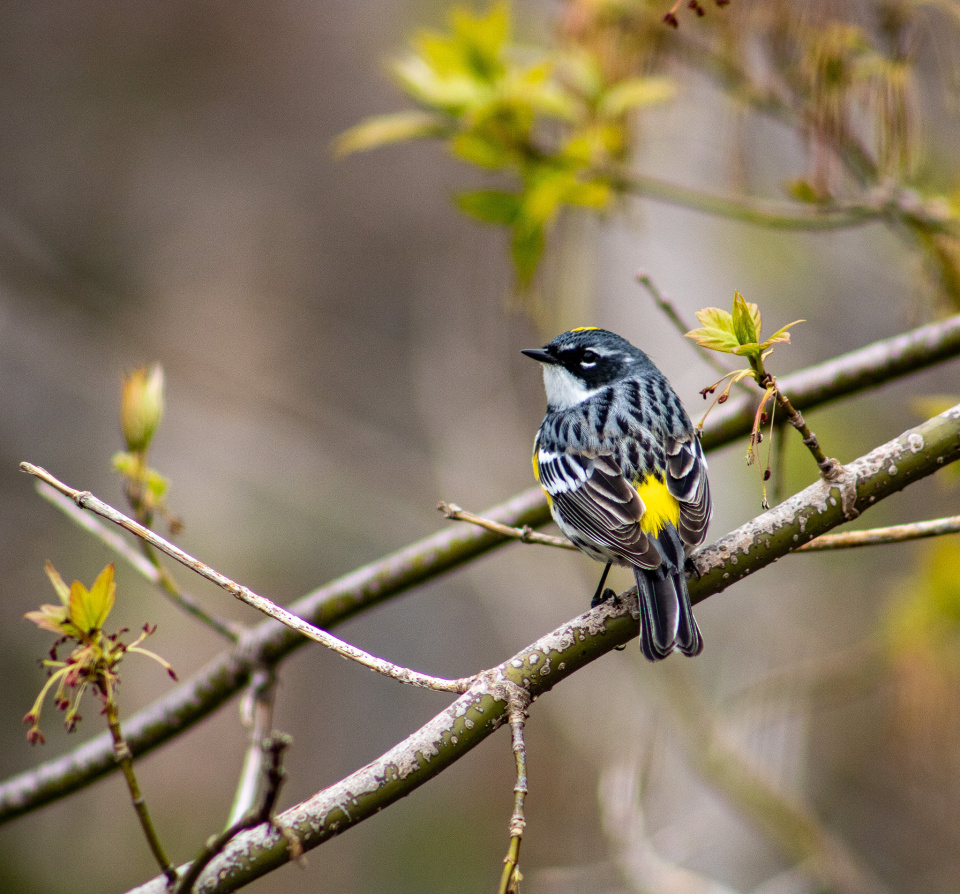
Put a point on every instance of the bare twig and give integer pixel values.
(86, 500)
(273, 746)
(759, 212)
(151, 571)
(844, 540)
(124, 758)
(829, 468)
(673, 315)
(892, 534)
(526, 534)
(519, 704)
(256, 712)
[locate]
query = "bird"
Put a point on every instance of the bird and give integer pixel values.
(624, 475)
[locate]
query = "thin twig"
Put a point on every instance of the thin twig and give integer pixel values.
(273, 746)
(519, 704)
(86, 500)
(759, 212)
(673, 315)
(256, 711)
(892, 534)
(152, 572)
(846, 540)
(124, 757)
(526, 534)
(829, 468)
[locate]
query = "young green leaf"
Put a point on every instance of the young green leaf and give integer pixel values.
(89, 608)
(634, 93)
(746, 320)
(490, 205)
(386, 129)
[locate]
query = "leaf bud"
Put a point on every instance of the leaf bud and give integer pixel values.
(141, 406)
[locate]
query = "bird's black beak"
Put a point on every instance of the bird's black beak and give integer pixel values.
(541, 354)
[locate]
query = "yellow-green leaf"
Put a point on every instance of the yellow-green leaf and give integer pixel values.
(714, 339)
(386, 129)
(490, 205)
(634, 93)
(526, 248)
(750, 349)
(52, 618)
(63, 591)
(449, 91)
(746, 320)
(591, 194)
(481, 38)
(781, 335)
(480, 149)
(89, 608)
(715, 318)
(545, 194)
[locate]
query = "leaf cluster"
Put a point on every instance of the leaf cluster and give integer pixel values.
(94, 659)
(553, 123)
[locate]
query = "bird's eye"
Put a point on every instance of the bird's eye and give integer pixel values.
(589, 358)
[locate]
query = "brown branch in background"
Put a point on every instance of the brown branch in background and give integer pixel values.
(86, 500)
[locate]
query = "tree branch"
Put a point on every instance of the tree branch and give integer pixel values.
(269, 643)
(86, 500)
(538, 668)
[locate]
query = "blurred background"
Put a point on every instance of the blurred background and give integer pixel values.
(341, 352)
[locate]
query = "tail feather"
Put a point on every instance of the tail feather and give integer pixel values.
(666, 616)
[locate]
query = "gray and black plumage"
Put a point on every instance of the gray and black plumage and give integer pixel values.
(624, 474)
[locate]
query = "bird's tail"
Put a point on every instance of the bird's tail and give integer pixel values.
(666, 617)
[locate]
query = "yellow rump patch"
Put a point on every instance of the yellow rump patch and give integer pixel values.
(662, 508)
(585, 329)
(536, 471)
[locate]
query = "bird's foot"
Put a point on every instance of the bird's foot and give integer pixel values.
(691, 566)
(606, 596)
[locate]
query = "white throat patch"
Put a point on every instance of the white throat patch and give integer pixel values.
(563, 388)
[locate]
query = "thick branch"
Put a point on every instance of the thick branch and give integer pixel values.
(269, 643)
(538, 668)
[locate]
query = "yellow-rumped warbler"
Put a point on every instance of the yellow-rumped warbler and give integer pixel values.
(624, 474)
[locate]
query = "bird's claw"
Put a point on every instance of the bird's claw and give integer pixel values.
(606, 596)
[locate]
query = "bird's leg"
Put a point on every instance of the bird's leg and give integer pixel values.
(602, 595)
(691, 566)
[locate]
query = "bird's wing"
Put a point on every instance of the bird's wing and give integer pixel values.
(591, 495)
(687, 481)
